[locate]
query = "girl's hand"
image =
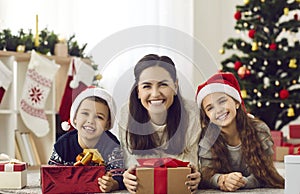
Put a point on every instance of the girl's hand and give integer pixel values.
(231, 182)
(129, 180)
(194, 179)
(107, 183)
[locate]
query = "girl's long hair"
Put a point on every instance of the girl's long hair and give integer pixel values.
(141, 138)
(258, 162)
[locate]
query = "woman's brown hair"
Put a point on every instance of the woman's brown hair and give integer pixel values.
(140, 136)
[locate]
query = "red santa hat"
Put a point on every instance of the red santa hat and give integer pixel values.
(91, 91)
(220, 82)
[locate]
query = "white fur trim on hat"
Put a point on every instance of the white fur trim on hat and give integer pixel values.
(218, 87)
(98, 92)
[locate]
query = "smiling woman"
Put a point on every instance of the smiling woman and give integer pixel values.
(158, 122)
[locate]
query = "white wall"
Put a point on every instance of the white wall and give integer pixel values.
(214, 23)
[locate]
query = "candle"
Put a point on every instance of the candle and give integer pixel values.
(36, 40)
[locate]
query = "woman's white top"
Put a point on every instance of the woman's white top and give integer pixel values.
(190, 153)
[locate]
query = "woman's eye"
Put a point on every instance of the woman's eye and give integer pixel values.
(164, 84)
(146, 86)
(100, 117)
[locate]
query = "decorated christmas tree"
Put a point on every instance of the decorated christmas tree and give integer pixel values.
(266, 59)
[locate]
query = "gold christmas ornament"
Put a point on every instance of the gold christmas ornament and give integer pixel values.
(98, 77)
(286, 11)
(254, 46)
(244, 94)
(246, 2)
(293, 64)
(290, 112)
(21, 48)
(221, 51)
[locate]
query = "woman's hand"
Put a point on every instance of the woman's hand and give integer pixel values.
(107, 183)
(231, 182)
(194, 179)
(129, 180)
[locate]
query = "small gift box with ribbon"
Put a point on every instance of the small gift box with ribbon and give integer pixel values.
(162, 175)
(286, 149)
(13, 174)
(277, 137)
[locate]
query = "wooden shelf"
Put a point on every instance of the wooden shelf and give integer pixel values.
(10, 117)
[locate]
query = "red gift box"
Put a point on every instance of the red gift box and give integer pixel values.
(71, 179)
(294, 131)
(162, 175)
(277, 137)
(13, 175)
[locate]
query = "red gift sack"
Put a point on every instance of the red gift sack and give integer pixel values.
(71, 179)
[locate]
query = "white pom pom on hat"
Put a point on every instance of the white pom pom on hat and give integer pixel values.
(66, 125)
(89, 92)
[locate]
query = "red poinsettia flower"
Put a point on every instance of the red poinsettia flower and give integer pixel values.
(273, 46)
(251, 33)
(238, 15)
(284, 94)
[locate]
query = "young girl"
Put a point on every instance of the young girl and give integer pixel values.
(92, 115)
(158, 122)
(235, 149)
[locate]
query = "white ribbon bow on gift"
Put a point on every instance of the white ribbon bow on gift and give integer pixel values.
(8, 162)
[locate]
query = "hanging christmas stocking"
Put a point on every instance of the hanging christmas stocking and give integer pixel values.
(38, 81)
(80, 76)
(5, 79)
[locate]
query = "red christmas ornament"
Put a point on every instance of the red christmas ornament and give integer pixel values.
(284, 94)
(251, 33)
(237, 65)
(295, 16)
(243, 72)
(273, 46)
(238, 15)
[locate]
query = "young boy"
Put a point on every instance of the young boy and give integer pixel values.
(92, 114)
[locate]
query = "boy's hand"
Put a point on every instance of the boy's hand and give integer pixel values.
(107, 183)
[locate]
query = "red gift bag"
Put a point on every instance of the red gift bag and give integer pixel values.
(71, 179)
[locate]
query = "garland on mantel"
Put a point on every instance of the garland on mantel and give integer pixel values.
(47, 41)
